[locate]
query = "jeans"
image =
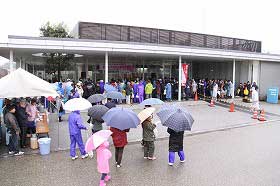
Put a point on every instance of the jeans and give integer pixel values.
(13, 144)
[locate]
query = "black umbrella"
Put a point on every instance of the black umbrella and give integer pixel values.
(97, 111)
(95, 98)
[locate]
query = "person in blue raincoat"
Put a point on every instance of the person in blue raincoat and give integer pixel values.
(168, 91)
(75, 124)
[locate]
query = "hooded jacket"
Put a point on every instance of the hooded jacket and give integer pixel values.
(103, 156)
(75, 123)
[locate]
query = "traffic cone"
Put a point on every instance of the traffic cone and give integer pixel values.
(255, 114)
(195, 97)
(212, 103)
(231, 108)
(261, 118)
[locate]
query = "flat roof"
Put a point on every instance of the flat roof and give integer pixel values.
(72, 45)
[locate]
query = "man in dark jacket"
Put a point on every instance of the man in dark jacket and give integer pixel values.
(22, 116)
(13, 130)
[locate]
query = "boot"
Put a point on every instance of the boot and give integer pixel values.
(102, 183)
(107, 178)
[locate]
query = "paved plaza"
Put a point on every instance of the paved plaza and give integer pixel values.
(246, 156)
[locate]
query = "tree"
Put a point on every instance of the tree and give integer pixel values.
(56, 62)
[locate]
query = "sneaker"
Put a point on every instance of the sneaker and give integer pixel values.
(84, 156)
(170, 164)
(152, 158)
(11, 152)
(119, 166)
(182, 161)
(145, 157)
(73, 158)
(19, 153)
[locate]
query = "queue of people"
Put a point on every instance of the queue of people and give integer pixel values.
(19, 117)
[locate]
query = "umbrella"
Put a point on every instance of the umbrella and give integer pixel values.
(151, 101)
(97, 111)
(77, 104)
(109, 88)
(110, 105)
(176, 118)
(144, 114)
(97, 139)
(114, 95)
(95, 98)
(121, 118)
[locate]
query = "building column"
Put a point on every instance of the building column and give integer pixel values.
(11, 60)
(233, 77)
(106, 67)
(143, 68)
(163, 66)
(86, 68)
(255, 72)
(180, 78)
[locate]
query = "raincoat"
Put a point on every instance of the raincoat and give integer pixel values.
(135, 90)
(149, 88)
(103, 156)
(75, 124)
(255, 99)
(215, 90)
(101, 84)
(168, 91)
(175, 140)
(119, 137)
(141, 92)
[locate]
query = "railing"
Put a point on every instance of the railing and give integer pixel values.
(98, 31)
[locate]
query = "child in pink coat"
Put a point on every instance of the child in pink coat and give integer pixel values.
(103, 156)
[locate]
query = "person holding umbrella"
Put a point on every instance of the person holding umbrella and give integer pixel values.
(177, 119)
(75, 124)
(146, 117)
(117, 118)
(99, 142)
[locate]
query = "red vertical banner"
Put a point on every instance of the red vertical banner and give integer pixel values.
(185, 68)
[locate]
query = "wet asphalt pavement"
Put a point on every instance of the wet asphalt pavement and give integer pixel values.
(246, 156)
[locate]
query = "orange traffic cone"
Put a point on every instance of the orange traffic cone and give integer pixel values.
(212, 103)
(261, 118)
(255, 114)
(195, 97)
(231, 108)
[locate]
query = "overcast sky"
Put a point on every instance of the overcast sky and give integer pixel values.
(246, 19)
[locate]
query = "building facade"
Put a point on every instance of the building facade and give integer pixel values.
(106, 51)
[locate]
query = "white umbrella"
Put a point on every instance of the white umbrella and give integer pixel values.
(144, 114)
(77, 104)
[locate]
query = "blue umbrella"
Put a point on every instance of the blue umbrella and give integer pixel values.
(114, 95)
(121, 118)
(151, 101)
(109, 88)
(176, 118)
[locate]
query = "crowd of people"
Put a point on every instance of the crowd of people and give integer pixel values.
(165, 89)
(20, 117)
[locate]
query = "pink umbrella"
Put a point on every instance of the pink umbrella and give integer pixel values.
(97, 139)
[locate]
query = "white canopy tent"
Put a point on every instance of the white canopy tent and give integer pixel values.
(21, 83)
